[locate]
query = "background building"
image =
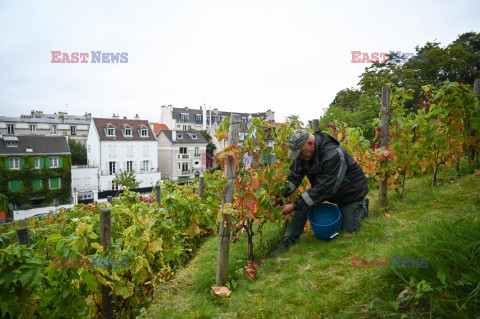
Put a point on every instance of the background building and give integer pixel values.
(57, 124)
(35, 169)
(116, 145)
(181, 154)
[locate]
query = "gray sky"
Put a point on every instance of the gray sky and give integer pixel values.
(288, 56)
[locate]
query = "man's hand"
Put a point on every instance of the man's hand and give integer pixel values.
(278, 201)
(287, 209)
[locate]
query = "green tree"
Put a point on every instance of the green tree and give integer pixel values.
(78, 152)
(126, 179)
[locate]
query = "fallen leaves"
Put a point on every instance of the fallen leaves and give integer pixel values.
(221, 291)
(251, 269)
(387, 215)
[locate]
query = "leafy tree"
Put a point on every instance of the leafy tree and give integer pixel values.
(78, 152)
(126, 179)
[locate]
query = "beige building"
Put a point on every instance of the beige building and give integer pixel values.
(181, 154)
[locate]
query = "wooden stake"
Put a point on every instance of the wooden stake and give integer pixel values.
(224, 229)
(158, 195)
(384, 140)
(316, 125)
(106, 242)
(201, 186)
(23, 236)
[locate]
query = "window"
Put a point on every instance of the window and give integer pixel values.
(179, 136)
(184, 167)
(129, 166)
(14, 163)
(54, 129)
(144, 132)
(145, 166)
(184, 118)
(183, 150)
(128, 132)
(198, 117)
(244, 119)
(242, 136)
(197, 151)
(37, 162)
(73, 130)
(53, 162)
(54, 183)
(11, 128)
(32, 128)
(37, 184)
(110, 131)
(111, 167)
(194, 136)
(15, 185)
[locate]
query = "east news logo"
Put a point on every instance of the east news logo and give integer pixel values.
(82, 57)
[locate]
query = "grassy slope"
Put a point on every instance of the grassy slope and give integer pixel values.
(315, 278)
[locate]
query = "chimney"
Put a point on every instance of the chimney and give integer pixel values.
(137, 117)
(124, 117)
(114, 116)
(174, 135)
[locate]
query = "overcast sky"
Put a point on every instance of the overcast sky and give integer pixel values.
(288, 56)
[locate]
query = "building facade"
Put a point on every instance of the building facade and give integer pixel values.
(181, 154)
(115, 145)
(35, 169)
(185, 119)
(38, 123)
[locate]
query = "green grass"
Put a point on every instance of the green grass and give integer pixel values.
(315, 279)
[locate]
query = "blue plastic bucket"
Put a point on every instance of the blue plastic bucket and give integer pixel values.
(325, 220)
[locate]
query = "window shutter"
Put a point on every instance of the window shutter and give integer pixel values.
(7, 163)
(47, 162)
(60, 161)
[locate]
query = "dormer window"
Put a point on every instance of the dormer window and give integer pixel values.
(144, 132)
(110, 131)
(32, 128)
(199, 118)
(194, 136)
(179, 136)
(128, 132)
(184, 117)
(244, 119)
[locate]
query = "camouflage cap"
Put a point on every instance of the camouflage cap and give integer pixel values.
(295, 141)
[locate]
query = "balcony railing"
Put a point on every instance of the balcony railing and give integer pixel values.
(184, 156)
(186, 172)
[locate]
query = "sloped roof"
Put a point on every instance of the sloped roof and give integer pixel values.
(101, 125)
(186, 137)
(159, 127)
(39, 144)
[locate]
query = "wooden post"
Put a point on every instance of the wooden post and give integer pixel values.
(158, 195)
(201, 185)
(224, 230)
(384, 140)
(316, 125)
(23, 237)
(476, 90)
(106, 242)
(110, 199)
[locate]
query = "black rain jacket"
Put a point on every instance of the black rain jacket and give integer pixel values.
(334, 175)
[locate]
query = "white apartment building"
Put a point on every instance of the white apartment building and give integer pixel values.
(116, 145)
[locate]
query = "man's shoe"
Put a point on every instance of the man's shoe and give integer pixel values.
(283, 247)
